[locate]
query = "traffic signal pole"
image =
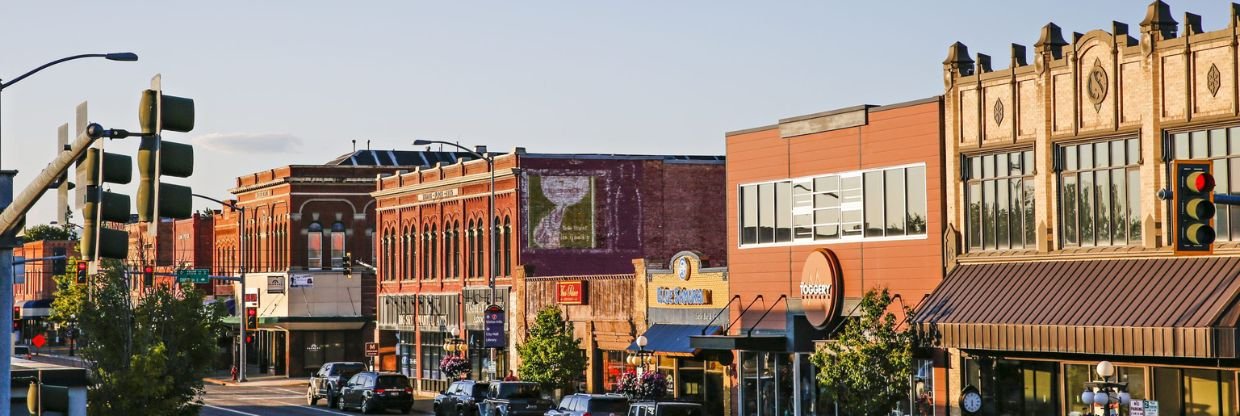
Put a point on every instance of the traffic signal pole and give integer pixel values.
(14, 210)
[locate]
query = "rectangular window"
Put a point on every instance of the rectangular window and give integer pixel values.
(999, 191)
(337, 249)
(749, 214)
(1100, 198)
(862, 204)
(314, 251)
(1222, 147)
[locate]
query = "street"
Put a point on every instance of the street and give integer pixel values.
(268, 400)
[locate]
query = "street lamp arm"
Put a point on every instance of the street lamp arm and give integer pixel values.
(463, 148)
(232, 205)
(112, 56)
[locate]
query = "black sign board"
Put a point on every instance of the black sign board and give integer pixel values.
(493, 333)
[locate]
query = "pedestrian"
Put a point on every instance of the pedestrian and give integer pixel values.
(511, 376)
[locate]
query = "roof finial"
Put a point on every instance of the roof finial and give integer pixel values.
(958, 59)
(1158, 20)
(1051, 40)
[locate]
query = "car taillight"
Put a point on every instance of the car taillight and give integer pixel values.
(585, 414)
(408, 390)
(379, 391)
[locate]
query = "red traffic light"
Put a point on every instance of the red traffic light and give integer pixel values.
(1201, 182)
(148, 269)
(81, 266)
(251, 312)
(249, 339)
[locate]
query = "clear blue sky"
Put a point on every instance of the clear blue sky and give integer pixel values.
(281, 83)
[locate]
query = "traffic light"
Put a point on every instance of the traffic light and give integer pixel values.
(93, 169)
(1194, 206)
(249, 339)
(81, 272)
(347, 262)
(251, 318)
(148, 276)
(157, 157)
(17, 313)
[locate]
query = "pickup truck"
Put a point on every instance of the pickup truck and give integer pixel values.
(326, 383)
(514, 398)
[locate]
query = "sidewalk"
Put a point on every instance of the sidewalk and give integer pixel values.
(224, 378)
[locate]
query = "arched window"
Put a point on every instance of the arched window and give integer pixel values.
(411, 250)
(314, 246)
(507, 246)
(337, 245)
(434, 252)
(479, 243)
(426, 254)
(469, 249)
(456, 248)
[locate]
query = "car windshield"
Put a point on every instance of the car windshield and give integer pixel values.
(347, 370)
(519, 391)
(680, 411)
(480, 390)
(392, 382)
(608, 404)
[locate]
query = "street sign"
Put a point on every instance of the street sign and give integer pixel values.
(39, 341)
(275, 283)
(198, 276)
(301, 280)
(493, 334)
(372, 349)
(1143, 408)
(251, 297)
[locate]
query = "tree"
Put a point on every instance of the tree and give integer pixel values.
(44, 232)
(550, 355)
(868, 366)
(147, 357)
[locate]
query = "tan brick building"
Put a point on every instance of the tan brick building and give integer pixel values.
(1059, 247)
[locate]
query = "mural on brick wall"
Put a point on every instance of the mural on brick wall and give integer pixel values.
(561, 210)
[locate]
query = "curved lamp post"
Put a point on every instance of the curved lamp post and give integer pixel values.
(642, 356)
(117, 56)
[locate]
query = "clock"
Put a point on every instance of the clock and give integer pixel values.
(682, 268)
(970, 400)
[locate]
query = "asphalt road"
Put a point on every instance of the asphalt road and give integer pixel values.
(261, 400)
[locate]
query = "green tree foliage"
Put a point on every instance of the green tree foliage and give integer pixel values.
(867, 368)
(149, 351)
(44, 232)
(550, 355)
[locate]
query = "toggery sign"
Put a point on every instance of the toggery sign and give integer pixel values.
(821, 287)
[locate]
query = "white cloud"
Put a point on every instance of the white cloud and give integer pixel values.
(241, 143)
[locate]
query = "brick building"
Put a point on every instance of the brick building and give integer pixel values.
(558, 216)
(1091, 128)
(820, 209)
(33, 284)
(299, 221)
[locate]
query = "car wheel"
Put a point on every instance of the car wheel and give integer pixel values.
(332, 400)
(340, 404)
(310, 398)
(366, 407)
(405, 410)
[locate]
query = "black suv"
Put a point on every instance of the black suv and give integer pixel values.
(370, 391)
(325, 383)
(514, 398)
(461, 398)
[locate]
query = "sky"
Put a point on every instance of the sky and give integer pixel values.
(278, 83)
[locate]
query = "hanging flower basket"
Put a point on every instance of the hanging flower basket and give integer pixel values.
(453, 367)
(651, 385)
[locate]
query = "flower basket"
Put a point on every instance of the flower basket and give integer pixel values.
(453, 367)
(651, 385)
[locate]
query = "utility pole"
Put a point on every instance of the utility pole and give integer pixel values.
(239, 303)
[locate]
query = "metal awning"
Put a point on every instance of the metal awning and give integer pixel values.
(36, 308)
(1165, 307)
(673, 338)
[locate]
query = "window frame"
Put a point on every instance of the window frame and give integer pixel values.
(842, 238)
(985, 187)
(1062, 173)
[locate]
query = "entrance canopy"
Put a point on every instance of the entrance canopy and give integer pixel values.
(1168, 307)
(672, 338)
(36, 308)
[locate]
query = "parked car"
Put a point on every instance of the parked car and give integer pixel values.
(461, 398)
(21, 351)
(369, 391)
(591, 405)
(326, 382)
(666, 409)
(514, 398)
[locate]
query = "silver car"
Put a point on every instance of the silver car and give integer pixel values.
(591, 404)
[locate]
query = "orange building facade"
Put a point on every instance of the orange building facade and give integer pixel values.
(820, 209)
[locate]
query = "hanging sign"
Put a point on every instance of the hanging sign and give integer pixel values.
(275, 283)
(570, 292)
(493, 333)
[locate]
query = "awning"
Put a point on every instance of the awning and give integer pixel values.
(673, 338)
(36, 308)
(1170, 307)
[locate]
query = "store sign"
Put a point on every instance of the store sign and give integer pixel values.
(372, 349)
(570, 292)
(251, 297)
(821, 287)
(682, 296)
(302, 280)
(275, 283)
(493, 333)
(437, 195)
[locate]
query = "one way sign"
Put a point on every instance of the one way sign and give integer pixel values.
(275, 283)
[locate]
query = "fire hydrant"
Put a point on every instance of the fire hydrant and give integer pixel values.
(234, 373)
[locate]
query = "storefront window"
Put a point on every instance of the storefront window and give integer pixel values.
(1194, 391)
(921, 396)
(1018, 388)
(1078, 374)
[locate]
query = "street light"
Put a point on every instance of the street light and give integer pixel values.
(640, 358)
(1102, 393)
(239, 303)
(480, 153)
(116, 56)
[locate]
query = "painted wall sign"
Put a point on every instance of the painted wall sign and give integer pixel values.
(821, 287)
(561, 211)
(436, 195)
(493, 333)
(682, 296)
(571, 292)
